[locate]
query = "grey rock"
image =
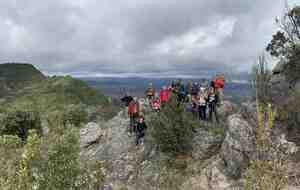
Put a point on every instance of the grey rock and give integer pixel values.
(238, 146)
(205, 144)
(226, 108)
(90, 135)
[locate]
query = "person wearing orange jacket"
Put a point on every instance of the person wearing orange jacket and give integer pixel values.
(133, 113)
(219, 83)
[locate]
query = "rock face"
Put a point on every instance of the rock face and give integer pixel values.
(238, 146)
(143, 167)
(279, 84)
(205, 145)
(212, 177)
(226, 109)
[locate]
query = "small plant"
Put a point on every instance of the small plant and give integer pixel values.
(268, 170)
(172, 129)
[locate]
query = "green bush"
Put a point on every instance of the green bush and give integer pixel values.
(61, 167)
(47, 163)
(10, 151)
(75, 115)
(19, 121)
(172, 129)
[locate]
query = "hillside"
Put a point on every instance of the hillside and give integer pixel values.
(14, 76)
(24, 85)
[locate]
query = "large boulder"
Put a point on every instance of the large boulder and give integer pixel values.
(212, 177)
(279, 84)
(238, 146)
(226, 108)
(206, 144)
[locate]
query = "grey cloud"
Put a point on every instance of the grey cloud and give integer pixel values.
(92, 36)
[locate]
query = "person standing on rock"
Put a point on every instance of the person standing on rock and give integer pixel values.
(202, 103)
(133, 113)
(150, 92)
(164, 96)
(212, 104)
(219, 83)
(140, 130)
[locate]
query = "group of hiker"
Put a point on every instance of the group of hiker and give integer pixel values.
(200, 98)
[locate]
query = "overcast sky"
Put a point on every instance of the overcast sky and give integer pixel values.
(130, 37)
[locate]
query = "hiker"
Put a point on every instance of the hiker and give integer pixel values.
(194, 104)
(219, 82)
(212, 104)
(195, 89)
(188, 90)
(181, 94)
(156, 104)
(177, 86)
(164, 96)
(126, 99)
(202, 103)
(140, 130)
(150, 92)
(133, 112)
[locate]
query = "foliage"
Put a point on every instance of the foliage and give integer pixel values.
(172, 129)
(48, 162)
(10, 151)
(292, 68)
(289, 34)
(61, 167)
(75, 115)
(285, 43)
(269, 168)
(261, 80)
(18, 121)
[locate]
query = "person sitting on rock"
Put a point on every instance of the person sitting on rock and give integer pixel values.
(212, 104)
(140, 130)
(133, 113)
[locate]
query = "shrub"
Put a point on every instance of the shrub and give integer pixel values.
(61, 166)
(19, 121)
(172, 129)
(10, 151)
(269, 168)
(75, 115)
(261, 80)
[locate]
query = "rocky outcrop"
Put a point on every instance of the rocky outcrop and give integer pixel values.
(226, 108)
(212, 177)
(279, 84)
(205, 144)
(142, 167)
(216, 162)
(238, 146)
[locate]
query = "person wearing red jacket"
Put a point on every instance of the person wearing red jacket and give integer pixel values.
(133, 113)
(164, 95)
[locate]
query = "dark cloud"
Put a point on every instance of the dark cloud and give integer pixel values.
(90, 37)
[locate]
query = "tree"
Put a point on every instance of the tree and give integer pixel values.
(288, 35)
